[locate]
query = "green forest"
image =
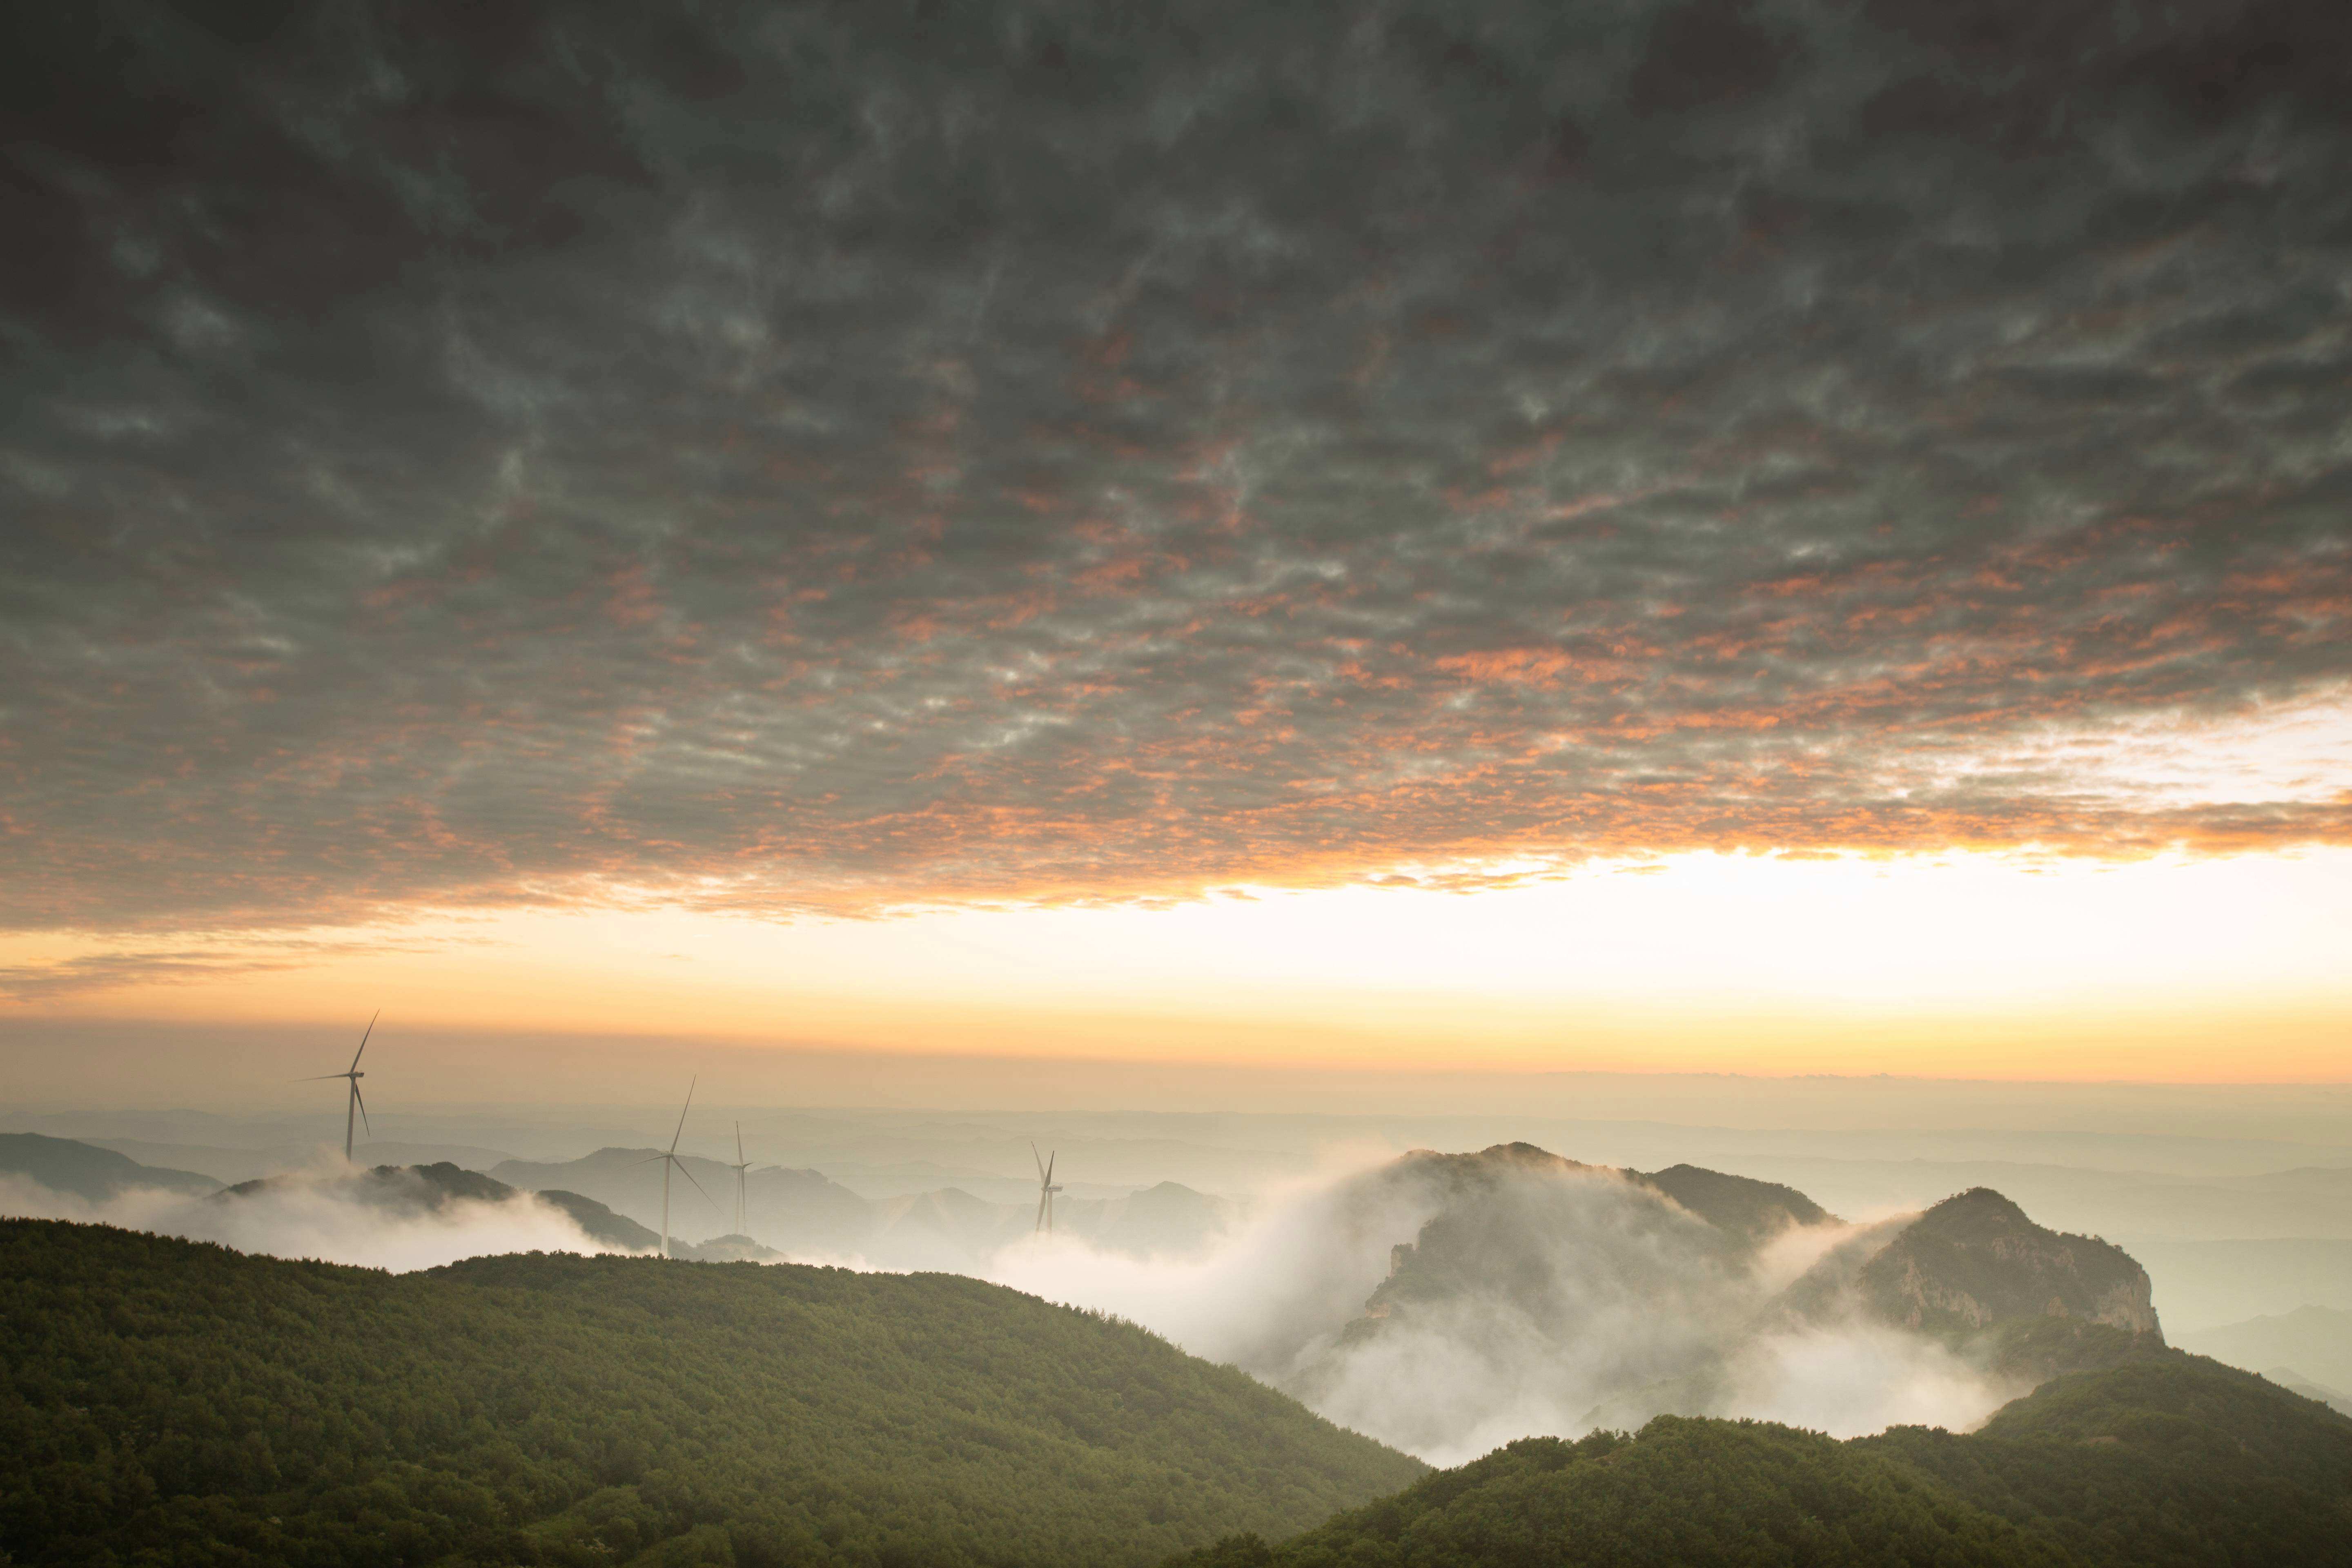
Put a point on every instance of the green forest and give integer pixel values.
(170, 1402)
(2169, 1460)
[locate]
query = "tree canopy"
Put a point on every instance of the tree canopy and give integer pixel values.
(173, 1402)
(2170, 1459)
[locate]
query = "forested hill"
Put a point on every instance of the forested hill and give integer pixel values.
(2168, 1460)
(169, 1401)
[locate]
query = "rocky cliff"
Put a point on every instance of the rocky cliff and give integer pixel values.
(1976, 1259)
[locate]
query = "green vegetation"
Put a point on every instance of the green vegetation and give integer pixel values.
(2172, 1459)
(2165, 1460)
(170, 1402)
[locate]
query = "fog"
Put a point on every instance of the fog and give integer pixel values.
(1532, 1304)
(321, 1214)
(1445, 1306)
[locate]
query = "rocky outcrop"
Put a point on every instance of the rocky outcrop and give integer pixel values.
(1976, 1259)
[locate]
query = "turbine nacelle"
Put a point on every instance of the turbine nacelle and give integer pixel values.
(354, 1106)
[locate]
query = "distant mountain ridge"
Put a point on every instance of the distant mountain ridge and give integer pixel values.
(806, 1213)
(87, 1170)
(2311, 1344)
(432, 1189)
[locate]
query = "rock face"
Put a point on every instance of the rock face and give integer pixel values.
(1976, 1259)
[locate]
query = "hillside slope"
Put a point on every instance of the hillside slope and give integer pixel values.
(2174, 1459)
(170, 1401)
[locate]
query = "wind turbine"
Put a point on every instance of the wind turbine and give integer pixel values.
(668, 1157)
(741, 1167)
(1045, 1190)
(355, 1106)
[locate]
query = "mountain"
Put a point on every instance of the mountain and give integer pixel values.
(1166, 1220)
(796, 1211)
(1976, 1259)
(804, 1212)
(402, 1189)
(601, 1224)
(410, 1190)
(1457, 1300)
(86, 1171)
(170, 1401)
(2177, 1460)
(2314, 1341)
(1466, 1299)
(2287, 1378)
(720, 1250)
(1742, 1207)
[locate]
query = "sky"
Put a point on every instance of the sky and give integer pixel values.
(1775, 537)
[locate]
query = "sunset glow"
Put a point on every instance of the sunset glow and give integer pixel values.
(1907, 964)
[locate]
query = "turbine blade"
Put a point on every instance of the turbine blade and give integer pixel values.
(689, 1177)
(361, 1101)
(1041, 1211)
(321, 1077)
(681, 1112)
(739, 1143)
(363, 1038)
(1039, 1158)
(1049, 1169)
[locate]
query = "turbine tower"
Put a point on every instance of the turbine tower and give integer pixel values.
(1045, 1190)
(354, 1106)
(668, 1157)
(742, 1168)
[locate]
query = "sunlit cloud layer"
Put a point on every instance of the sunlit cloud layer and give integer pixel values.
(848, 457)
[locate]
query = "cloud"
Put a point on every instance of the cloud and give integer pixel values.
(153, 966)
(817, 460)
(1541, 1304)
(320, 1214)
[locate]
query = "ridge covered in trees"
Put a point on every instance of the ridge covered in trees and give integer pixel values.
(2168, 1458)
(170, 1401)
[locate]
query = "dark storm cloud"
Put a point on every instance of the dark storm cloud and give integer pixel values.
(831, 456)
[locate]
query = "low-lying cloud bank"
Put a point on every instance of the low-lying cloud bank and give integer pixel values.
(326, 1214)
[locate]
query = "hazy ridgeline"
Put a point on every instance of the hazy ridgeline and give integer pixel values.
(1443, 1306)
(2236, 1199)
